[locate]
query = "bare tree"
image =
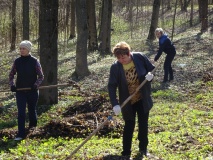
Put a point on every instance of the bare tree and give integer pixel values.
(72, 26)
(13, 26)
(48, 36)
(81, 69)
(105, 30)
(93, 41)
(174, 16)
(203, 14)
(26, 21)
(168, 3)
(184, 4)
(191, 14)
(154, 21)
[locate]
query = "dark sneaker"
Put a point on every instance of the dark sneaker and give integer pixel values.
(144, 152)
(171, 79)
(126, 157)
(165, 81)
(139, 155)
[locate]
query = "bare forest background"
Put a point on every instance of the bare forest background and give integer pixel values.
(52, 24)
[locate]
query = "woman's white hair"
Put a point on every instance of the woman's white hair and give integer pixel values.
(159, 30)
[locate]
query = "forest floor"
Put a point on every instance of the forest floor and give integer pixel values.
(84, 106)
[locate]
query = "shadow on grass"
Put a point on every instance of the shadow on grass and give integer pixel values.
(8, 124)
(42, 109)
(5, 144)
(115, 157)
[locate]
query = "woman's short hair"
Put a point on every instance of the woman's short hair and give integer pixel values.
(159, 30)
(121, 48)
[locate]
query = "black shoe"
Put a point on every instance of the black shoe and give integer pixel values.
(165, 81)
(144, 153)
(139, 155)
(171, 79)
(19, 138)
(126, 155)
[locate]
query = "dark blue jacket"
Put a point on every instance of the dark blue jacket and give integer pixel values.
(118, 80)
(165, 45)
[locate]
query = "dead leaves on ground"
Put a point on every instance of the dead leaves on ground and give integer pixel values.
(79, 121)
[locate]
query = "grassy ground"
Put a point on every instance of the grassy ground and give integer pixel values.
(180, 124)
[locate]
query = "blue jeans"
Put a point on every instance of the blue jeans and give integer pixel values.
(142, 129)
(29, 99)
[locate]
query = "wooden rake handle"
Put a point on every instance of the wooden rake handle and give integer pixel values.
(70, 83)
(44, 87)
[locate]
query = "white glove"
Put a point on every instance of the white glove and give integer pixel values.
(149, 76)
(117, 109)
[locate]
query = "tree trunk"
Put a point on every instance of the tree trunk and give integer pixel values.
(173, 23)
(13, 26)
(181, 5)
(72, 29)
(48, 36)
(105, 37)
(93, 41)
(154, 21)
(130, 16)
(26, 21)
(191, 14)
(200, 10)
(168, 3)
(184, 4)
(203, 10)
(81, 69)
(100, 4)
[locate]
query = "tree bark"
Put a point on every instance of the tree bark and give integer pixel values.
(26, 21)
(93, 41)
(72, 26)
(48, 37)
(203, 11)
(81, 69)
(105, 32)
(13, 26)
(191, 14)
(154, 21)
(173, 23)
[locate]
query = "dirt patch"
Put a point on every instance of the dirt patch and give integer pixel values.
(78, 121)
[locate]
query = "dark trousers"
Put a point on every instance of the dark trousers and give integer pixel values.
(29, 99)
(168, 72)
(142, 129)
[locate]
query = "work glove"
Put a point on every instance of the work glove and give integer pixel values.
(117, 109)
(149, 76)
(13, 88)
(34, 88)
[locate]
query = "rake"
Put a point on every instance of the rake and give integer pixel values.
(46, 87)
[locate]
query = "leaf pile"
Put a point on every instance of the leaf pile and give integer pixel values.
(78, 121)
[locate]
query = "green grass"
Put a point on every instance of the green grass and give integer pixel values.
(176, 131)
(180, 123)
